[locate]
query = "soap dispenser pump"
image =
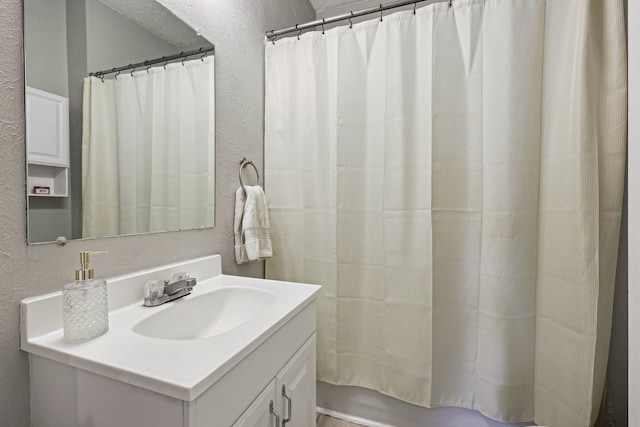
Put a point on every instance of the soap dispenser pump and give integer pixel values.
(85, 310)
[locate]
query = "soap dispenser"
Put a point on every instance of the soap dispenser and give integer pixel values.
(85, 310)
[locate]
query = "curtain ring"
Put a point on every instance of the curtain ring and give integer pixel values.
(116, 76)
(102, 78)
(450, 3)
(322, 25)
(150, 65)
(414, 7)
(134, 69)
(184, 58)
(165, 63)
(380, 12)
(351, 22)
(203, 55)
(299, 32)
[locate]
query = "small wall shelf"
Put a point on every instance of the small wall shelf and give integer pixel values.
(54, 177)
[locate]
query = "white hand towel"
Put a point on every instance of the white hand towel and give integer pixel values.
(251, 225)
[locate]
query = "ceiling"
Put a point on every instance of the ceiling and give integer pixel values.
(154, 17)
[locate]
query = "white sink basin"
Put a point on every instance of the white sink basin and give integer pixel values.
(205, 315)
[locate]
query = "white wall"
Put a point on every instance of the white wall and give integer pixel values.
(46, 40)
(633, 26)
(237, 28)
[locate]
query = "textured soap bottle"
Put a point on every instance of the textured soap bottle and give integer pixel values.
(85, 310)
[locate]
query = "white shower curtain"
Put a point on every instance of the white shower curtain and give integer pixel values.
(148, 150)
(454, 180)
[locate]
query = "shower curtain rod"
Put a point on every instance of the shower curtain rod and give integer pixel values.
(273, 34)
(150, 62)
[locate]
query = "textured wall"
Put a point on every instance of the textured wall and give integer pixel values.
(236, 27)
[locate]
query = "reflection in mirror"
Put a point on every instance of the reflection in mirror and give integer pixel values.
(113, 149)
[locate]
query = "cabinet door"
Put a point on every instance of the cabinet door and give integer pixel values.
(296, 388)
(260, 414)
(47, 128)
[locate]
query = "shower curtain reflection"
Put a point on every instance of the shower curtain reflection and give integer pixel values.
(148, 150)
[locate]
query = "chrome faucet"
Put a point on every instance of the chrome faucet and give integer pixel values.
(159, 292)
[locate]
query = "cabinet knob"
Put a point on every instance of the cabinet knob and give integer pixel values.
(272, 410)
(284, 394)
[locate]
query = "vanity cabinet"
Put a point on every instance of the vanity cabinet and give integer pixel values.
(65, 396)
(296, 388)
(290, 398)
(261, 412)
(243, 396)
(250, 340)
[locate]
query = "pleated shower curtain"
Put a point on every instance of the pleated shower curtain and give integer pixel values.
(148, 150)
(453, 179)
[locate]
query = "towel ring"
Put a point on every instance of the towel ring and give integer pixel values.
(243, 163)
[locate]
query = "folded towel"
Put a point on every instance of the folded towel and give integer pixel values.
(251, 225)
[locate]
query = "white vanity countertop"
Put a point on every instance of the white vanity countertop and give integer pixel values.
(183, 369)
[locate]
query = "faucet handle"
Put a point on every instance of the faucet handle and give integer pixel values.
(179, 276)
(154, 288)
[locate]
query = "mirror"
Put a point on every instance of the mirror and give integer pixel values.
(120, 121)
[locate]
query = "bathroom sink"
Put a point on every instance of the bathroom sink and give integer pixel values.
(184, 347)
(206, 315)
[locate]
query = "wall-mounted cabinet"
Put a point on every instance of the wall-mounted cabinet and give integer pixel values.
(47, 144)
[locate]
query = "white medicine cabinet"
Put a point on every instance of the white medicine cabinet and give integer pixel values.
(47, 144)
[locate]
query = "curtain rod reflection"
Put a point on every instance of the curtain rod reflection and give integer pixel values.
(150, 62)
